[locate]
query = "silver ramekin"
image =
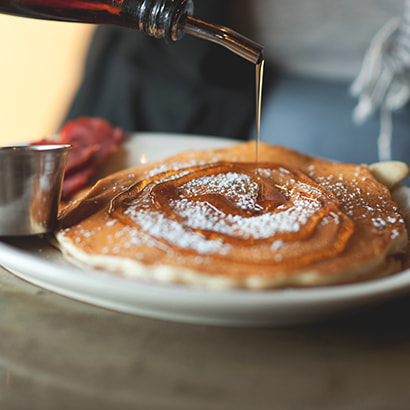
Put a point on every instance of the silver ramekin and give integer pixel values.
(31, 178)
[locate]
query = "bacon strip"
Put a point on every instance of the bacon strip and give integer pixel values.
(92, 141)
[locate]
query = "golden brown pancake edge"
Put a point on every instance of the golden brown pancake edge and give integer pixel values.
(375, 249)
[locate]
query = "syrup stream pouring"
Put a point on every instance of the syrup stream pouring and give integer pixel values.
(238, 44)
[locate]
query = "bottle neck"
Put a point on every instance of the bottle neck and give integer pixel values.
(230, 39)
(158, 18)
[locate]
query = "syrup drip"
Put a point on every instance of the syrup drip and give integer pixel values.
(259, 84)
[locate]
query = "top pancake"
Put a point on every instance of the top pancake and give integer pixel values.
(214, 218)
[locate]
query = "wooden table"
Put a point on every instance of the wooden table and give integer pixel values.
(57, 353)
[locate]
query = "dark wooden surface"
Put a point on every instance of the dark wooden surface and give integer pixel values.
(59, 353)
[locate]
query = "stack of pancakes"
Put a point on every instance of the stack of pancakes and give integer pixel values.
(215, 218)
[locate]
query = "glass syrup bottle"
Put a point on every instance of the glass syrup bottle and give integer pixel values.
(167, 19)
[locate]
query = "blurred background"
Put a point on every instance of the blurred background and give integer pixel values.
(41, 66)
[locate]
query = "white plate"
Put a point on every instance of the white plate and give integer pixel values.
(34, 260)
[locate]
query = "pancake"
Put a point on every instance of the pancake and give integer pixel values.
(216, 219)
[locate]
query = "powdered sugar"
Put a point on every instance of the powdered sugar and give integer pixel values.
(239, 188)
(159, 226)
(203, 216)
(361, 204)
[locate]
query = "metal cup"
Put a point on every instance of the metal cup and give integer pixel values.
(31, 178)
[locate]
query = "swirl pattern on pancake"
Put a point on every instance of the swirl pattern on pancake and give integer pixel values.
(213, 218)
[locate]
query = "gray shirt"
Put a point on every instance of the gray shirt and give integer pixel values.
(316, 38)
